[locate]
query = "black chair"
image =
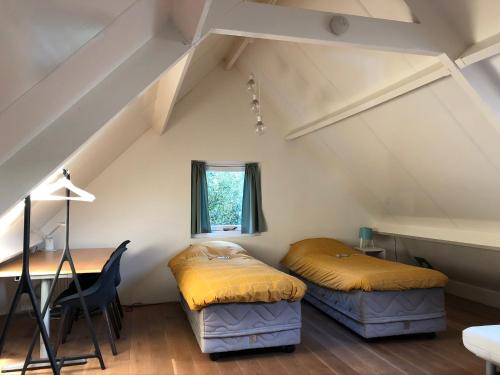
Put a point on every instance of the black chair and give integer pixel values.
(86, 281)
(101, 296)
(90, 278)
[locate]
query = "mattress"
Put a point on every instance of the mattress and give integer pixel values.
(332, 264)
(382, 313)
(237, 326)
(215, 274)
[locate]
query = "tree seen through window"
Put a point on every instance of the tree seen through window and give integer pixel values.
(225, 194)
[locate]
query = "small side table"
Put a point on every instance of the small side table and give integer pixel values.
(376, 252)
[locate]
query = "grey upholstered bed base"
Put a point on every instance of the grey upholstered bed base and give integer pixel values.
(382, 313)
(237, 326)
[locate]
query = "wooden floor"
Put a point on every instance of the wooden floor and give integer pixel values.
(158, 340)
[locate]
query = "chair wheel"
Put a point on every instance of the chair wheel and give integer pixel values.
(288, 348)
(214, 356)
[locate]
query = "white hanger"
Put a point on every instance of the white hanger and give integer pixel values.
(44, 193)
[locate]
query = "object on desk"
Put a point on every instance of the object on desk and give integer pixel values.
(366, 237)
(26, 286)
(49, 238)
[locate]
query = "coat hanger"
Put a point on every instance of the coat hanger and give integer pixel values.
(46, 193)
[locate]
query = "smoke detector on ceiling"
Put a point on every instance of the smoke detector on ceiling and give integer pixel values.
(339, 25)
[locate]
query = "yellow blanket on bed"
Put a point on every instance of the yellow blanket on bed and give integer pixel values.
(332, 264)
(209, 275)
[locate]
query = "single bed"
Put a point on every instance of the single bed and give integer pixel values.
(372, 297)
(235, 302)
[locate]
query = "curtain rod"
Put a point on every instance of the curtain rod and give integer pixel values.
(226, 164)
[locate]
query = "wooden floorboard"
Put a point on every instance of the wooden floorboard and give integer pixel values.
(157, 339)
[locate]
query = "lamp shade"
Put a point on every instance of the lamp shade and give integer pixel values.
(366, 233)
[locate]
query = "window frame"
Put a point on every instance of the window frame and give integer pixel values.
(218, 230)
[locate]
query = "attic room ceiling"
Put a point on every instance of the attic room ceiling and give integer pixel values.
(396, 10)
(426, 158)
(37, 36)
(311, 83)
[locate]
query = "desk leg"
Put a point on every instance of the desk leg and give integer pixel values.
(44, 295)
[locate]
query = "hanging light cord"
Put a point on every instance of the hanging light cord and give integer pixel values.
(258, 96)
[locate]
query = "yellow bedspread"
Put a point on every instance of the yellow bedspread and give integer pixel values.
(205, 278)
(332, 264)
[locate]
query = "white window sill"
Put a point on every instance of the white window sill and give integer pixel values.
(224, 234)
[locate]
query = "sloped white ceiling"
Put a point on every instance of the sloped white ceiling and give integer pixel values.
(206, 57)
(433, 162)
(318, 80)
(429, 159)
(92, 158)
(396, 10)
(36, 36)
(476, 20)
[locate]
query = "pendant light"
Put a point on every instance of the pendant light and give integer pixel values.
(255, 105)
(251, 83)
(253, 86)
(260, 128)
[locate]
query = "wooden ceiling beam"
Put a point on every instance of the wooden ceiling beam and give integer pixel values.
(240, 45)
(480, 51)
(386, 94)
(476, 83)
(45, 153)
(170, 84)
(475, 80)
(168, 87)
(438, 27)
(265, 21)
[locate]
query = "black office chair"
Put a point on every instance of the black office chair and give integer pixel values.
(90, 278)
(101, 296)
(86, 281)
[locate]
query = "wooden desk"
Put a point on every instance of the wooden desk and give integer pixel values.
(43, 266)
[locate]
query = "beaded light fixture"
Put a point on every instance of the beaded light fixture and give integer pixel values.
(253, 88)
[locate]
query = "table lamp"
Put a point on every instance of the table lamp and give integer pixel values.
(49, 238)
(365, 237)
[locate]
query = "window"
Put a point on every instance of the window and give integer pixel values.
(225, 197)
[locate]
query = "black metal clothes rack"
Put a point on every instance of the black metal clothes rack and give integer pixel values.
(25, 286)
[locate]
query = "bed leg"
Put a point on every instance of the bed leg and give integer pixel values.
(288, 348)
(214, 356)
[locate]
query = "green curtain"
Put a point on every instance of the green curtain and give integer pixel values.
(200, 219)
(252, 216)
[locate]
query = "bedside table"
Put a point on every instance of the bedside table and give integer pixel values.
(376, 252)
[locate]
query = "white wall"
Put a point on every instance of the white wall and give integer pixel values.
(105, 146)
(473, 271)
(144, 195)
